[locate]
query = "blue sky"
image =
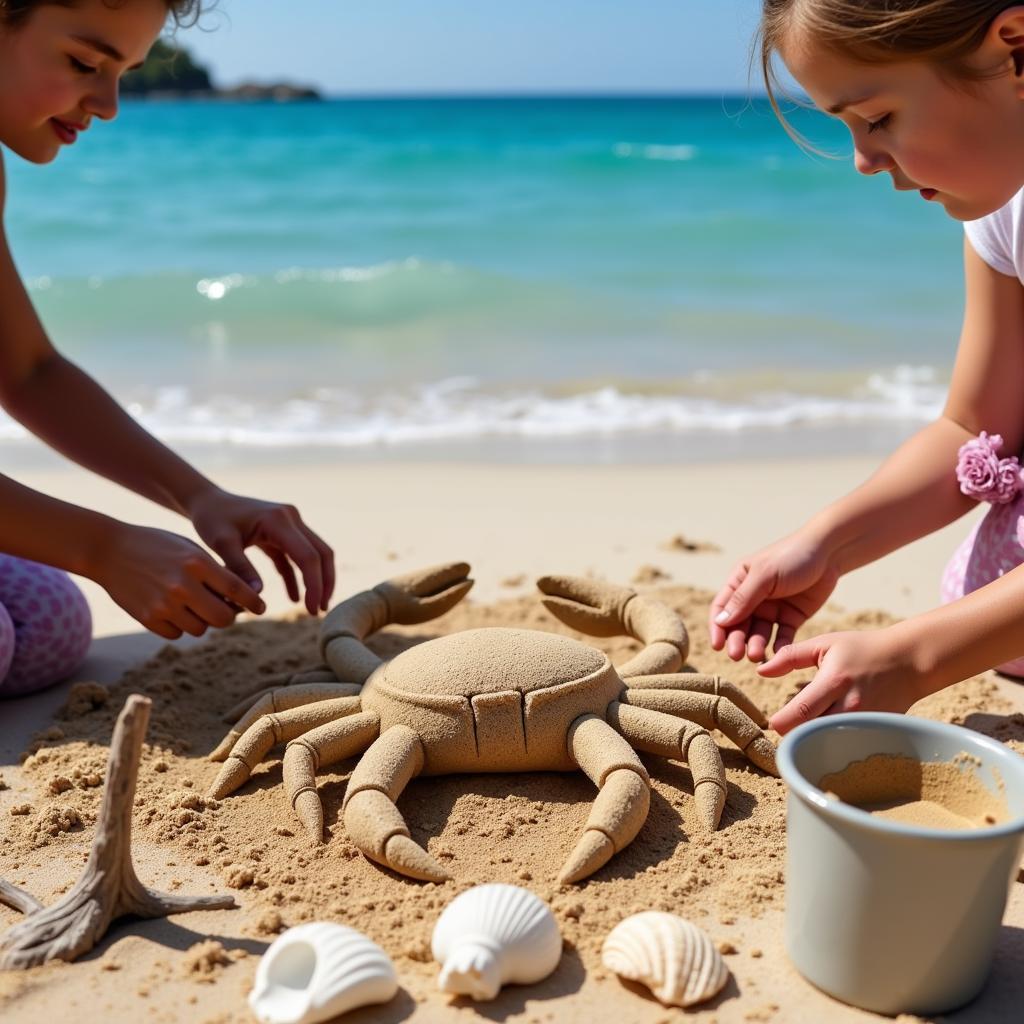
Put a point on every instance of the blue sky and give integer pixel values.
(482, 46)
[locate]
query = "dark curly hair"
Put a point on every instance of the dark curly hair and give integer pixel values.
(184, 12)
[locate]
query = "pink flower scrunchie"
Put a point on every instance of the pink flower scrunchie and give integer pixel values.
(984, 476)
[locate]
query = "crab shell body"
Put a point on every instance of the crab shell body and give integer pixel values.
(492, 699)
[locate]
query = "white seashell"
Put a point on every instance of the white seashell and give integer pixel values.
(316, 971)
(494, 934)
(675, 959)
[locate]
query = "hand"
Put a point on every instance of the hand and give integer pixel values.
(869, 670)
(169, 584)
(778, 588)
(230, 523)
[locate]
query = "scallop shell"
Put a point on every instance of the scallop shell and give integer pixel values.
(676, 960)
(494, 934)
(316, 971)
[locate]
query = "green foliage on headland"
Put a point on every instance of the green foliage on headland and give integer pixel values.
(168, 69)
(171, 73)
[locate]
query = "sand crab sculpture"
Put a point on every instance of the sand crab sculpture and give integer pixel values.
(494, 700)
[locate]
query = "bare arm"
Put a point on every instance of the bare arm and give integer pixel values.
(141, 569)
(43, 529)
(915, 491)
(912, 494)
(889, 669)
(68, 410)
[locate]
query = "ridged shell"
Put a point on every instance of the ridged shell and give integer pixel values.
(316, 971)
(676, 960)
(494, 934)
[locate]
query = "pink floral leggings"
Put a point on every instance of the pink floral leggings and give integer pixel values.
(991, 549)
(45, 626)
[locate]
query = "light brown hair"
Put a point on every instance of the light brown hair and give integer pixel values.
(943, 33)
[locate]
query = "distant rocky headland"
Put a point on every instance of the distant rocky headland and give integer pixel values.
(171, 73)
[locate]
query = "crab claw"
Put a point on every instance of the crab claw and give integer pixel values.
(591, 606)
(425, 594)
(603, 609)
(408, 600)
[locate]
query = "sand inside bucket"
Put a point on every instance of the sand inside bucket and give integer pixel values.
(931, 794)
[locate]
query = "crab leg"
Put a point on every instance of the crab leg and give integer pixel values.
(372, 820)
(273, 729)
(410, 599)
(711, 712)
(326, 745)
(311, 675)
(656, 733)
(283, 699)
(694, 682)
(622, 803)
(602, 609)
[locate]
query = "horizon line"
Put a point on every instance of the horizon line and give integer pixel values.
(569, 94)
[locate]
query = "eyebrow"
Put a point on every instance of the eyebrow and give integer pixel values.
(843, 104)
(106, 49)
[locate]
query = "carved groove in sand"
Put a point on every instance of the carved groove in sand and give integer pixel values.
(494, 700)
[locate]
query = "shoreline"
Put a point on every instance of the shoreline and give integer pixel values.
(783, 445)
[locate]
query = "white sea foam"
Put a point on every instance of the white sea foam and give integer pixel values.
(654, 151)
(461, 409)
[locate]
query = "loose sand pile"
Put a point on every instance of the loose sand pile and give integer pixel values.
(931, 794)
(482, 828)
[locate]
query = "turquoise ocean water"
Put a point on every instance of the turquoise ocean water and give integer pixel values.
(534, 279)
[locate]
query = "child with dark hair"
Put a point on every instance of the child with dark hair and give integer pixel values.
(60, 65)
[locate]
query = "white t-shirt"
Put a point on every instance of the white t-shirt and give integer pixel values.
(998, 238)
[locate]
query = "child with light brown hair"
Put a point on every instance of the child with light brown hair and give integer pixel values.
(932, 92)
(60, 65)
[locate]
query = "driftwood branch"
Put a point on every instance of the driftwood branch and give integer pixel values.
(18, 899)
(109, 887)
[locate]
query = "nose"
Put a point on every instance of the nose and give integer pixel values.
(870, 159)
(102, 101)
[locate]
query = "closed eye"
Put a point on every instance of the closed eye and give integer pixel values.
(81, 67)
(882, 122)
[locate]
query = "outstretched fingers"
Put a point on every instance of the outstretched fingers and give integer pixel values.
(719, 614)
(743, 614)
(286, 539)
(806, 654)
(819, 696)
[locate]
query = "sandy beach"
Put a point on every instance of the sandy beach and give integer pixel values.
(673, 531)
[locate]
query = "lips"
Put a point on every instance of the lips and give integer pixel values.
(928, 193)
(66, 131)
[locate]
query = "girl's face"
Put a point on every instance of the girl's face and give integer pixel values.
(61, 66)
(961, 146)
